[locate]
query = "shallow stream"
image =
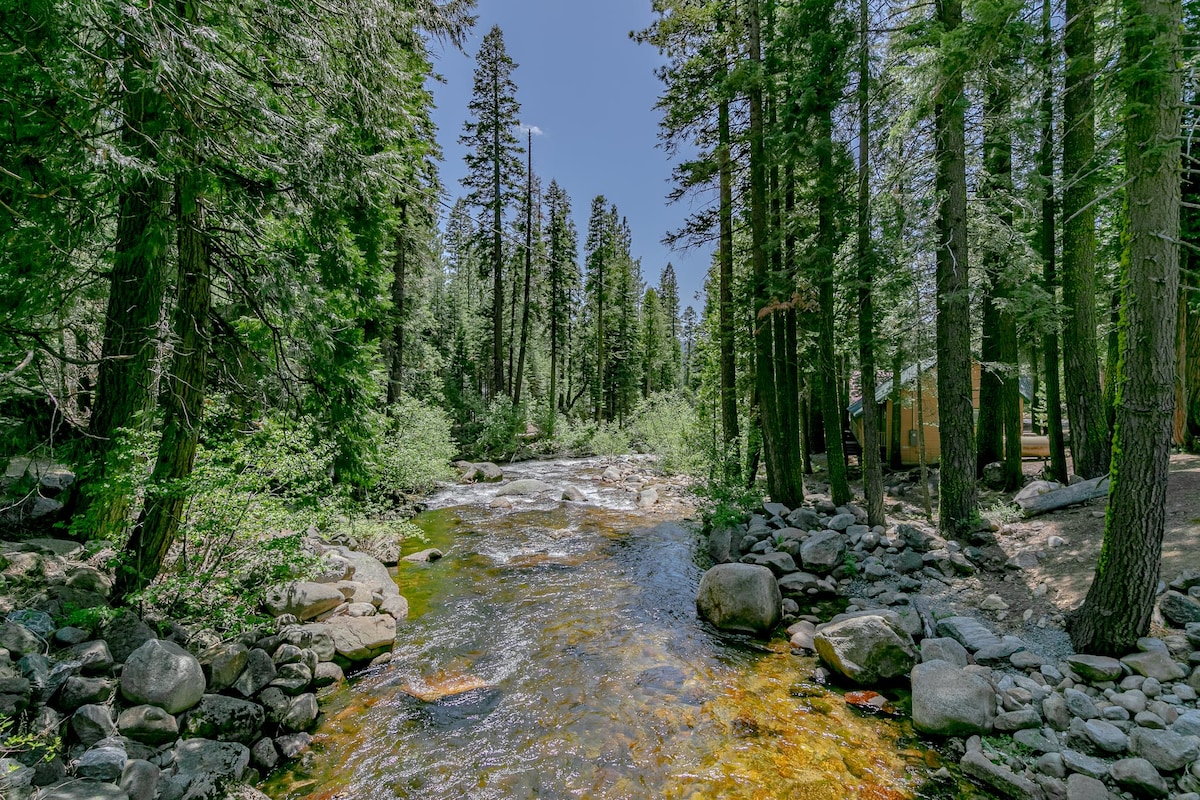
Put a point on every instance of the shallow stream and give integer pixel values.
(593, 677)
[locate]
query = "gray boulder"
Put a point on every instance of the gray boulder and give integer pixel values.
(91, 723)
(1179, 609)
(574, 494)
(950, 701)
(1095, 668)
(104, 762)
(78, 691)
(223, 664)
(304, 599)
(740, 597)
(424, 556)
(1166, 750)
(226, 718)
(203, 768)
(487, 472)
(256, 674)
(163, 674)
(969, 632)
(140, 779)
(779, 563)
(148, 725)
(944, 649)
(1155, 664)
(1082, 787)
(1139, 776)
(370, 572)
(83, 790)
(823, 552)
(866, 649)
(523, 488)
(362, 638)
(125, 633)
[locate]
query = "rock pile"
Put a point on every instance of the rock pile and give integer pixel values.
(142, 717)
(1087, 727)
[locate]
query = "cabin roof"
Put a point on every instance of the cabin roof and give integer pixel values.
(909, 375)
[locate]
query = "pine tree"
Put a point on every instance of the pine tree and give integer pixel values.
(1119, 604)
(562, 279)
(494, 169)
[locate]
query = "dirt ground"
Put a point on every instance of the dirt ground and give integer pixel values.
(1039, 595)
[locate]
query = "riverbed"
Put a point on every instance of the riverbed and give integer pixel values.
(555, 652)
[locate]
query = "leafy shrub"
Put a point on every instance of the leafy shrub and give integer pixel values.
(664, 425)
(415, 451)
(497, 435)
(610, 439)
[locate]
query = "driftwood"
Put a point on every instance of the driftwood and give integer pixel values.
(1066, 496)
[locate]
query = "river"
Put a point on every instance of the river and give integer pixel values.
(593, 677)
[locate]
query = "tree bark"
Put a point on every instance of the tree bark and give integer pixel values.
(872, 468)
(1085, 406)
(897, 407)
(955, 410)
(1046, 249)
(126, 376)
(1119, 604)
(1076, 493)
(183, 403)
(498, 386)
(528, 274)
(395, 385)
(729, 415)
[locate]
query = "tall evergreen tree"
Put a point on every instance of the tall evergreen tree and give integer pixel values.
(494, 169)
(1119, 604)
(562, 279)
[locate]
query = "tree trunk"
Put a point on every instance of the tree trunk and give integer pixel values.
(839, 487)
(729, 414)
(1085, 407)
(872, 468)
(1190, 296)
(498, 386)
(1119, 604)
(183, 403)
(399, 311)
(125, 378)
(1046, 239)
(528, 274)
(955, 411)
(897, 400)
(783, 475)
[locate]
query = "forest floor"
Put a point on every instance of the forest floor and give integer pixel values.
(1066, 546)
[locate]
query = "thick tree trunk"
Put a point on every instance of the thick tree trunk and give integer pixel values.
(183, 403)
(1085, 407)
(955, 410)
(1076, 493)
(1190, 296)
(1119, 604)
(126, 377)
(839, 487)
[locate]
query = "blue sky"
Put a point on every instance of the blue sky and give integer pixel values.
(591, 90)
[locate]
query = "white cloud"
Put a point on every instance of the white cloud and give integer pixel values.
(534, 129)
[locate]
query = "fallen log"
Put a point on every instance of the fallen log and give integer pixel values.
(1067, 496)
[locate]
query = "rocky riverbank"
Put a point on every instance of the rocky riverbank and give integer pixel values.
(1078, 727)
(111, 710)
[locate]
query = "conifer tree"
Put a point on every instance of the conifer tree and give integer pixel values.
(494, 170)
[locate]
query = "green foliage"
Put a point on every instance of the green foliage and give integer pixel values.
(723, 505)
(850, 564)
(664, 426)
(89, 619)
(496, 436)
(609, 439)
(414, 452)
(17, 738)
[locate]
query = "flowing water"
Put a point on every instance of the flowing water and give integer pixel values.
(592, 677)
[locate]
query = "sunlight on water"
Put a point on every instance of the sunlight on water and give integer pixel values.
(559, 655)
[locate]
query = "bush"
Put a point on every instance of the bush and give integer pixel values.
(497, 434)
(664, 426)
(415, 452)
(610, 439)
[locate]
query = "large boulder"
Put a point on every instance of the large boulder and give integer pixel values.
(163, 674)
(823, 552)
(303, 599)
(125, 633)
(217, 716)
(84, 790)
(148, 725)
(203, 769)
(362, 638)
(950, 701)
(866, 649)
(371, 573)
(740, 597)
(1179, 609)
(524, 487)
